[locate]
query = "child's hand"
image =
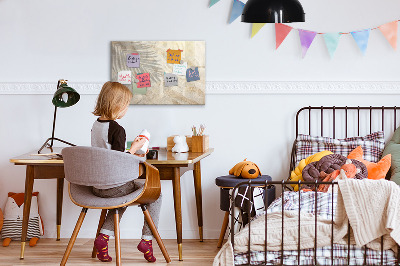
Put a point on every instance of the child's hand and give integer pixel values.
(143, 155)
(137, 144)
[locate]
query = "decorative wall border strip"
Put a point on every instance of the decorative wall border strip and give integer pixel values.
(234, 87)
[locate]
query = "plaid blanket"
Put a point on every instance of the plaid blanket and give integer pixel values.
(323, 205)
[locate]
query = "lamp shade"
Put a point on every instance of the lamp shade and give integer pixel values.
(65, 96)
(273, 11)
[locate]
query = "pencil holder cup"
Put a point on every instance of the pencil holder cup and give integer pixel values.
(200, 143)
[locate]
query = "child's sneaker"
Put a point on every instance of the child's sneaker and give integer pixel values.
(146, 247)
(101, 245)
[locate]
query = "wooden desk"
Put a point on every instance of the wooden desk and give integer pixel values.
(171, 167)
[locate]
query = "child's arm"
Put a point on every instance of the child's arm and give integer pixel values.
(136, 145)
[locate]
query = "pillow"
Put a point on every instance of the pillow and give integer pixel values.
(375, 170)
(296, 174)
(393, 148)
(372, 144)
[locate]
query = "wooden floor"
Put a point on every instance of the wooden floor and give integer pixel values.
(50, 252)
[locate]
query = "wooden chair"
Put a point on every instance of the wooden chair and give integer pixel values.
(85, 167)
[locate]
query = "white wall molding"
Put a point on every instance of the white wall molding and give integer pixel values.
(233, 87)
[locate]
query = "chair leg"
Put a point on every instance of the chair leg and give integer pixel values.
(101, 222)
(117, 239)
(73, 237)
(154, 230)
(223, 229)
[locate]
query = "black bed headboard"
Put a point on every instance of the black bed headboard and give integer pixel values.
(344, 121)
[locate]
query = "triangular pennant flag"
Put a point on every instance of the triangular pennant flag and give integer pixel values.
(306, 39)
(281, 31)
(213, 2)
(361, 37)
(237, 9)
(390, 32)
(332, 41)
(256, 27)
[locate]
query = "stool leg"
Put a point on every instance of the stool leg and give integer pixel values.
(101, 222)
(117, 239)
(223, 229)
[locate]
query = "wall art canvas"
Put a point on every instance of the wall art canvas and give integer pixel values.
(162, 72)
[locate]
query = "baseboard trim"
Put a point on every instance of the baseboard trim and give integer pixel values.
(230, 87)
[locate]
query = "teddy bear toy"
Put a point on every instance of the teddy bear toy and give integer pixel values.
(13, 215)
(180, 144)
(245, 169)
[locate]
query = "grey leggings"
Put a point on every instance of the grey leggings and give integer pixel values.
(154, 208)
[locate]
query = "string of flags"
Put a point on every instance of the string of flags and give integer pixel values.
(361, 37)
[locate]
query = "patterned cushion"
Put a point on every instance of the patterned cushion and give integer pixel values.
(372, 144)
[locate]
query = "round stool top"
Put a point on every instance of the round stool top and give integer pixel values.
(230, 181)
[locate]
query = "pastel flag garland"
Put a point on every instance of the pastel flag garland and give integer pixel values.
(332, 41)
(256, 27)
(306, 39)
(237, 9)
(389, 30)
(213, 2)
(361, 37)
(281, 31)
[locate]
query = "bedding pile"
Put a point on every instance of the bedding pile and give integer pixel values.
(371, 206)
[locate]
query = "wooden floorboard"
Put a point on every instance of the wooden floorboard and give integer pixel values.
(50, 252)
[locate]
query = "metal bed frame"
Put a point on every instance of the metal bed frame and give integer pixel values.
(283, 184)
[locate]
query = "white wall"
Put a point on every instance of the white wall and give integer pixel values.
(42, 41)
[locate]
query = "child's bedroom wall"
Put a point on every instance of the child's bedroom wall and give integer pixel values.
(43, 41)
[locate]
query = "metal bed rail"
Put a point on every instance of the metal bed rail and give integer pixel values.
(346, 123)
(265, 185)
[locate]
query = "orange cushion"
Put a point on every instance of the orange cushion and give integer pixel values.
(375, 170)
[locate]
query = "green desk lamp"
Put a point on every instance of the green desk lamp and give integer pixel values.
(65, 96)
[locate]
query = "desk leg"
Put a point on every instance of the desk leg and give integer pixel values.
(27, 206)
(199, 204)
(176, 182)
(60, 190)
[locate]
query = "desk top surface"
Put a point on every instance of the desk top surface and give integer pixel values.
(164, 157)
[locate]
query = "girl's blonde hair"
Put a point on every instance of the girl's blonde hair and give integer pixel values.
(112, 99)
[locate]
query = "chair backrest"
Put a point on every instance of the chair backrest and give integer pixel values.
(91, 166)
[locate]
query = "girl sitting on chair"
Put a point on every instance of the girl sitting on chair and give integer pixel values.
(112, 104)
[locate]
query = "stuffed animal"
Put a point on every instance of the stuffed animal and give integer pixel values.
(13, 215)
(180, 144)
(245, 169)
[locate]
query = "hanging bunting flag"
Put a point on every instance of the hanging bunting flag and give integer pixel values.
(281, 31)
(213, 2)
(256, 27)
(306, 39)
(361, 37)
(332, 41)
(389, 30)
(237, 9)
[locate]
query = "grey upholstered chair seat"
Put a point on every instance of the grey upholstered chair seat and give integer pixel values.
(83, 196)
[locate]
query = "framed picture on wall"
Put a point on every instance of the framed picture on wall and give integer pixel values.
(161, 72)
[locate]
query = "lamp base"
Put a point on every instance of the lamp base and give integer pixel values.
(50, 146)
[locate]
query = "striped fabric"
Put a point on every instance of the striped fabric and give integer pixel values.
(372, 145)
(322, 207)
(13, 228)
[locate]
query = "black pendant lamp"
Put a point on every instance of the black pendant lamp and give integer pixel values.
(273, 11)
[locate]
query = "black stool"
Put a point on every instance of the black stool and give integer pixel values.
(226, 183)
